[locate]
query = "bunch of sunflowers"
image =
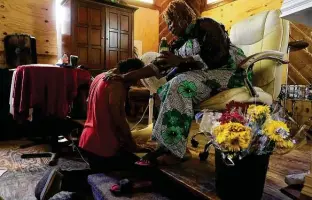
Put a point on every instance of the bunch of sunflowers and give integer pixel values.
(253, 129)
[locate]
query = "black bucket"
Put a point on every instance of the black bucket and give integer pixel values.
(244, 180)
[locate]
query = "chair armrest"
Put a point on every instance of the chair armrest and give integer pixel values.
(297, 45)
(265, 55)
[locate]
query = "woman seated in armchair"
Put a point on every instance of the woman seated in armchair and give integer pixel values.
(205, 62)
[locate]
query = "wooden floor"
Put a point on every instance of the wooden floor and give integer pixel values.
(199, 176)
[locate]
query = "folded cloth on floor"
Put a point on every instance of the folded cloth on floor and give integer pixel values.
(295, 179)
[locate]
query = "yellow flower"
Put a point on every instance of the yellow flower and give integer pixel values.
(257, 112)
(233, 136)
(271, 128)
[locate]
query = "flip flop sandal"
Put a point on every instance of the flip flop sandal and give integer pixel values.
(127, 187)
(123, 188)
(145, 163)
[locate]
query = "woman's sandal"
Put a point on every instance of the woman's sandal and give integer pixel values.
(146, 163)
(126, 187)
(150, 159)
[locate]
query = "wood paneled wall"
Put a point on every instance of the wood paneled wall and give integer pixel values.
(37, 18)
(300, 68)
(238, 10)
(146, 28)
(34, 17)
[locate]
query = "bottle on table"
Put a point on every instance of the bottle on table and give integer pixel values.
(163, 45)
(65, 59)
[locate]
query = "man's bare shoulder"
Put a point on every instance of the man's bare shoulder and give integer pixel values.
(118, 85)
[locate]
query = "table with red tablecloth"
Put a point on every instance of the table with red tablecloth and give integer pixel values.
(50, 89)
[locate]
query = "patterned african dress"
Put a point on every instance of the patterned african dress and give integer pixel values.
(180, 94)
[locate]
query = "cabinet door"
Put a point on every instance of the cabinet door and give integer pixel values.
(118, 36)
(126, 34)
(90, 36)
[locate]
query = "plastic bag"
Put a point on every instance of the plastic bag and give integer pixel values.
(207, 120)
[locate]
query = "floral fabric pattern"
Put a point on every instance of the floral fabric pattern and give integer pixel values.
(187, 89)
(176, 113)
(181, 93)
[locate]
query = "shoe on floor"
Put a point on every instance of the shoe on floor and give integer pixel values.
(296, 179)
(49, 184)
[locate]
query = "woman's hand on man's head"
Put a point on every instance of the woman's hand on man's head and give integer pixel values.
(169, 58)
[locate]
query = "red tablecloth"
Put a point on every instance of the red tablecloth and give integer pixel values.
(50, 89)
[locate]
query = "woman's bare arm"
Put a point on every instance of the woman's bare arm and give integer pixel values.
(144, 72)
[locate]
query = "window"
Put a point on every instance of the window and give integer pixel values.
(215, 3)
(142, 3)
(212, 1)
(147, 1)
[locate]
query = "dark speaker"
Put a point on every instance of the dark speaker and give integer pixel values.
(20, 49)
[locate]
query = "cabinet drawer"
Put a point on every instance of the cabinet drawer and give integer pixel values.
(303, 108)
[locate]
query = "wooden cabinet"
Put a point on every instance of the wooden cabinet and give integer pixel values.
(301, 110)
(101, 34)
(119, 35)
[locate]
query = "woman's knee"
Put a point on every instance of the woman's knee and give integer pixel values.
(177, 80)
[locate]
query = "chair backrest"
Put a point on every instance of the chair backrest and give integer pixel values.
(20, 49)
(264, 31)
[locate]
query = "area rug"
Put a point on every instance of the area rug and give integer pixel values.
(19, 182)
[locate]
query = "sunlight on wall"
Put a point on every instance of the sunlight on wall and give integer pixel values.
(59, 13)
(147, 1)
(212, 1)
(236, 11)
(146, 28)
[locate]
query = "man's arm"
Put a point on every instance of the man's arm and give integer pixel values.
(117, 111)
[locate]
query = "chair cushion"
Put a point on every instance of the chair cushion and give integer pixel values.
(101, 183)
(219, 101)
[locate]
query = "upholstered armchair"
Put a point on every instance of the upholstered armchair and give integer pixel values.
(264, 39)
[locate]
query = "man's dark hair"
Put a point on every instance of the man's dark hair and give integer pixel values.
(130, 64)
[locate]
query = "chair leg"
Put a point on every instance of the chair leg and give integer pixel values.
(204, 155)
(54, 159)
(194, 142)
